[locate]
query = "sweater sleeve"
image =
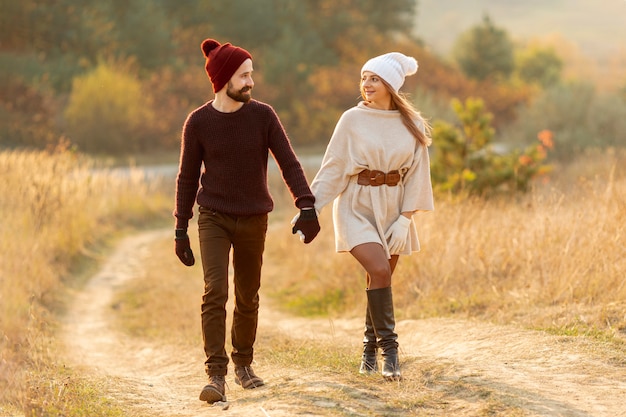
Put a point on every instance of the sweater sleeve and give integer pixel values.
(335, 172)
(187, 180)
(418, 191)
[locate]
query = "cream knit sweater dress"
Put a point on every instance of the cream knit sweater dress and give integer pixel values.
(366, 138)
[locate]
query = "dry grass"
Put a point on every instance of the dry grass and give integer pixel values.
(554, 259)
(551, 260)
(55, 208)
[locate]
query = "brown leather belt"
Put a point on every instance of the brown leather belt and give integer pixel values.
(376, 178)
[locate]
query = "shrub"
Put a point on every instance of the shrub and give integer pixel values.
(108, 112)
(445, 82)
(466, 160)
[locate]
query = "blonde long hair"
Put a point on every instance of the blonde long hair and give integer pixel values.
(409, 114)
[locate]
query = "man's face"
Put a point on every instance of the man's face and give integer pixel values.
(240, 85)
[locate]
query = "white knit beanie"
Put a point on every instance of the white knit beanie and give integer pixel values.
(392, 67)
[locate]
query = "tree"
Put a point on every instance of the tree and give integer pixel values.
(485, 52)
(308, 38)
(539, 65)
(141, 30)
(307, 53)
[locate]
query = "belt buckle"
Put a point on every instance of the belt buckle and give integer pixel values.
(377, 178)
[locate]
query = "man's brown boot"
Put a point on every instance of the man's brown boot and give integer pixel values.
(245, 376)
(214, 391)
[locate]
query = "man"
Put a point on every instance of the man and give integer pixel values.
(223, 166)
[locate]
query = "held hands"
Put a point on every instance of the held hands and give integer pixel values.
(397, 235)
(183, 247)
(306, 224)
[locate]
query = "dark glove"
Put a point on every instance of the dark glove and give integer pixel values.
(183, 247)
(306, 222)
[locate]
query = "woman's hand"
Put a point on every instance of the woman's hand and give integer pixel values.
(397, 235)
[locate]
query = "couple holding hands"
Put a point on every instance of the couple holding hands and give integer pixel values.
(375, 171)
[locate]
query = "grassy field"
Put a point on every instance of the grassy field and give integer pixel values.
(60, 213)
(552, 259)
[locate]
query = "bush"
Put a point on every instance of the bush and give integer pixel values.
(108, 112)
(466, 160)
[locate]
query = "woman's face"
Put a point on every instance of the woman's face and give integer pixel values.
(374, 91)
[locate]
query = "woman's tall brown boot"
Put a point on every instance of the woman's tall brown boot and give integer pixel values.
(380, 303)
(369, 362)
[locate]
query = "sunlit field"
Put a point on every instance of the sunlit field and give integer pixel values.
(551, 259)
(57, 210)
(554, 258)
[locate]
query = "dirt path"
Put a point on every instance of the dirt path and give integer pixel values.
(541, 374)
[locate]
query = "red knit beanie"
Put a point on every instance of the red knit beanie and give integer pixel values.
(222, 61)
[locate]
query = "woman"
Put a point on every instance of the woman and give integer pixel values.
(376, 169)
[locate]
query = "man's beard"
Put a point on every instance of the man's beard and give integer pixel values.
(242, 95)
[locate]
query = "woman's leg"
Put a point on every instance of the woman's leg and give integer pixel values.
(369, 359)
(374, 260)
(380, 303)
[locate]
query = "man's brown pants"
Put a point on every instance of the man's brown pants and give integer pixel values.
(219, 232)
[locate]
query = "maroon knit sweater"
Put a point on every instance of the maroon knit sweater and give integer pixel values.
(234, 148)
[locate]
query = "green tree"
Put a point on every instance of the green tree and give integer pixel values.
(333, 38)
(50, 27)
(140, 29)
(308, 49)
(485, 51)
(539, 65)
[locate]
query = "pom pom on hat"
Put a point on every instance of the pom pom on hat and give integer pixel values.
(392, 67)
(222, 60)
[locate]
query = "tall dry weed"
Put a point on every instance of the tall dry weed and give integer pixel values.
(53, 206)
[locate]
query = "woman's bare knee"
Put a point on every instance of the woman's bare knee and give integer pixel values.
(380, 271)
(374, 260)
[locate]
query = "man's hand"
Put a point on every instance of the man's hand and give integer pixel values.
(183, 247)
(306, 224)
(398, 234)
